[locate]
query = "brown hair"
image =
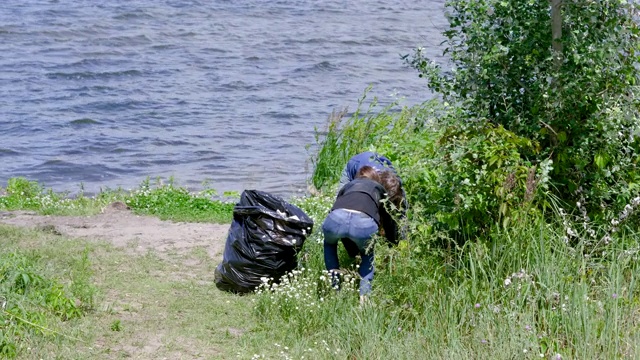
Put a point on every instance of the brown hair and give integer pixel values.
(368, 172)
(392, 185)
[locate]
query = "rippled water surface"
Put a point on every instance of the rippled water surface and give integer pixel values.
(106, 93)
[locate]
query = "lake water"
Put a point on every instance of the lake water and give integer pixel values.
(106, 93)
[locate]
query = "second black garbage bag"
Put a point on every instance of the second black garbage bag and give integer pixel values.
(263, 241)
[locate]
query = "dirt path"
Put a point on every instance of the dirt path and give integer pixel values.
(124, 229)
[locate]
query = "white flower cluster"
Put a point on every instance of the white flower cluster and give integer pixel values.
(626, 212)
(297, 291)
(546, 166)
(567, 226)
(293, 292)
(629, 208)
(520, 277)
(585, 221)
(283, 351)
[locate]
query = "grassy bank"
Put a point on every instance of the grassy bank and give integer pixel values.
(543, 286)
(142, 306)
(69, 298)
(522, 241)
(495, 265)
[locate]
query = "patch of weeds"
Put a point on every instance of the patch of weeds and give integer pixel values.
(81, 286)
(169, 202)
(305, 299)
(23, 194)
(116, 325)
(34, 301)
(166, 201)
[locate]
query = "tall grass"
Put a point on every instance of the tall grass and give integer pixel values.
(523, 293)
(363, 130)
(527, 291)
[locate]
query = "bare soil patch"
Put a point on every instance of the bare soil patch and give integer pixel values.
(122, 228)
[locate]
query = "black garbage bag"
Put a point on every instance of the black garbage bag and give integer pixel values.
(263, 241)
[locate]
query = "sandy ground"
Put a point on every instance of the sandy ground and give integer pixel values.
(122, 228)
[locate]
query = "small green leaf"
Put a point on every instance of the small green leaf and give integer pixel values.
(601, 160)
(562, 136)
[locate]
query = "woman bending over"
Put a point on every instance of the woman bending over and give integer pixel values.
(357, 214)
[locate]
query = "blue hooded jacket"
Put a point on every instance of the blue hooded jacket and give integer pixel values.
(369, 158)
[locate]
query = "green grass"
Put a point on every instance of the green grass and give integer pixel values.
(166, 201)
(143, 306)
(344, 138)
(169, 202)
(40, 292)
(524, 294)
(400, 133)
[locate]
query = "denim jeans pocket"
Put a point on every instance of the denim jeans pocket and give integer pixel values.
(331, 229)
(361, 229)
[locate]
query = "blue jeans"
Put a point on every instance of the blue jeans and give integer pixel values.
(355, 227)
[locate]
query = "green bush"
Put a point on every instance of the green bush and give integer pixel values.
(460, 177)
(478, 178)
(577, 102)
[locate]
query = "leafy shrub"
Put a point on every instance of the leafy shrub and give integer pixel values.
(460, 176)
(478, 178)
(578, 102)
